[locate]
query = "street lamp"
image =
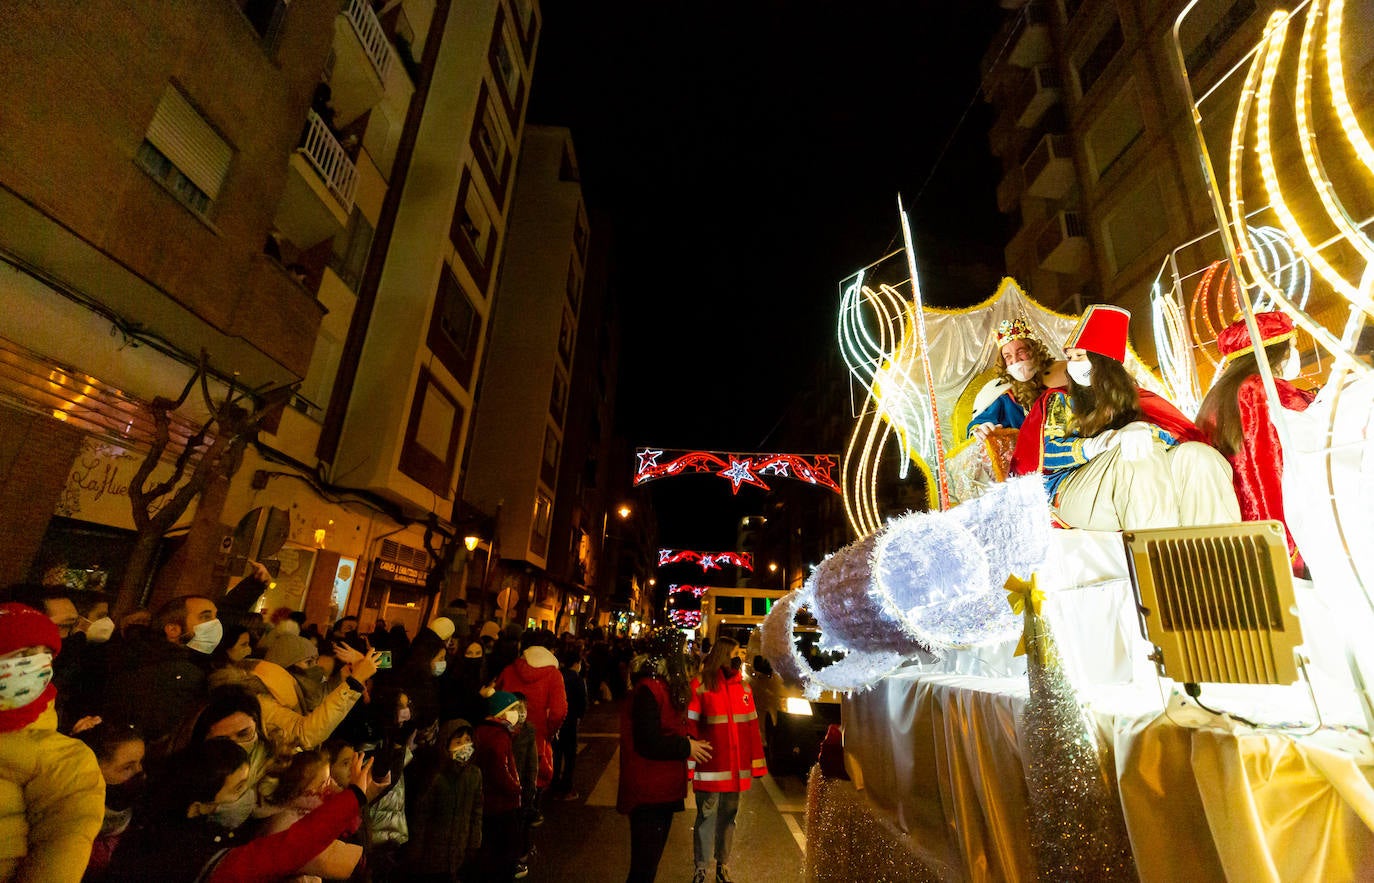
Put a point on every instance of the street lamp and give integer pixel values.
(471, 542)
(772, 567)
(624, 511)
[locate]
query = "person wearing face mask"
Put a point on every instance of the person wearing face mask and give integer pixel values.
(446, 808)
(228, 664)
(119, 752)
(495, 757)
(177, 839)
(1116, 457)
(233, 713)
(1025, 365)
(300, 658)
(721, 712)
(162, 676)
(388, 826)
(52, 796)
(1235, 416)
(535, 676)
(302, 786)
(79, 672)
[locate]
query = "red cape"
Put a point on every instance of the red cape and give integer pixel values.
(1257, 468)
(1154, 409)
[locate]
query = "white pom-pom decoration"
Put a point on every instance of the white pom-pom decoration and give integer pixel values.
(849, 613)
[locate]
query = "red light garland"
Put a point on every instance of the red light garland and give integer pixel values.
(740, 469)
(705, 560)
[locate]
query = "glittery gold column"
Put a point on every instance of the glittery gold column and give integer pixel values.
(1077, 828)
(847, 842)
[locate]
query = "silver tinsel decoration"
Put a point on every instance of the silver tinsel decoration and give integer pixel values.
(1078, 831)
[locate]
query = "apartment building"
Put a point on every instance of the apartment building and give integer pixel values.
(539, 450)
(314, 193)
(1098, 153)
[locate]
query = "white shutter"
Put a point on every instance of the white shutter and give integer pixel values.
(185, 138)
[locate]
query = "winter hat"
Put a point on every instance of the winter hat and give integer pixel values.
(490, 630)
(499, 702)
(1274, 327)
(22, 626)
(443, 627)
(288, 650)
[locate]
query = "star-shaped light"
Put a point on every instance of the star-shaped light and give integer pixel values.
(708, 562)
(664, 556)
(776, 466)
(741, 472)
(648, 459)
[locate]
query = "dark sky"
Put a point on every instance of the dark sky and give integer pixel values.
(746, 157)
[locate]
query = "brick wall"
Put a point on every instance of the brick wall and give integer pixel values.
(36, 453)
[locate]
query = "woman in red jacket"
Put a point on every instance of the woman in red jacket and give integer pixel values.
(721, 711)
(654, 749)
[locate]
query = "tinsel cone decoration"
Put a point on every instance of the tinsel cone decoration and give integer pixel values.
(1077, 828)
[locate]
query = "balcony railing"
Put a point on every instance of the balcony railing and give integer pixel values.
(328, 157)
(1051, 147)
(370, 34)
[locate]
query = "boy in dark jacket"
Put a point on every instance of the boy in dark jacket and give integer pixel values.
(446, 813)
(495, 757)
(565, 749)
(525, 743)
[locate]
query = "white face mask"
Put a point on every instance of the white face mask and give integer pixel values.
(403, 714)
(463, 753)
(101, 630)
(23, 679)
(1081, 372)
(1022, 371)
(205, 637)
(439, 667)
(512, 717)
(1292, 366)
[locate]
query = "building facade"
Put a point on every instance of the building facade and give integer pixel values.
(315, 195)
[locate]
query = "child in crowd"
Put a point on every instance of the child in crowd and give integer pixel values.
(119, 751)
(501, 788)
(302, 786)
(446, 810)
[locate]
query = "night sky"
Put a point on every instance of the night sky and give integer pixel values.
(742, 157)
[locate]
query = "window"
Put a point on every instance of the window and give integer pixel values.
(580, 235)
(266, 17)
(760, 606)
(574, 286)
(490, 147)
(473, 233)
(351, 248)
(565, 338)
(558, 397)
(1137, 222)
(729, 605)
(525, 23)
(430, 449)
(548, 467)
(1209, 26)
(501, 57)
(184, 153)
(539, 526)
(1095, 63)
(1114, 130)
(454, 329)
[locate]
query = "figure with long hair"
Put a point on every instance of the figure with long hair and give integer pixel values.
(721, 711)
(654, 750)
(1235, 416)
(1116, 457)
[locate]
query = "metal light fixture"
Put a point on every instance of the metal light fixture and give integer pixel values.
(471, 542)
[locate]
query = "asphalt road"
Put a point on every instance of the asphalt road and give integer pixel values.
(587, 841)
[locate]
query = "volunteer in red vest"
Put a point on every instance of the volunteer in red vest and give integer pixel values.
(1235, 416)
(654, 750)
(1116, 457)
(721, 711)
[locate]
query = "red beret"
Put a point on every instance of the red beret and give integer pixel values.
(1234, 340)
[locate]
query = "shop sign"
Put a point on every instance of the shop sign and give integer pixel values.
(97, 488)
(401, 573)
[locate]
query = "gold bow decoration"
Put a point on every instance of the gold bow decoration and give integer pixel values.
(1022, 595)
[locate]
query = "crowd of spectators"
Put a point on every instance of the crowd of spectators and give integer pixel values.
(202, 742)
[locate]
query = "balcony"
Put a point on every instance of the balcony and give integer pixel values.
(319, 187)
(366, 70)
(1031, 42)
(1039, 94)
(1062, 244)
(1009, 190)
(1049, 169)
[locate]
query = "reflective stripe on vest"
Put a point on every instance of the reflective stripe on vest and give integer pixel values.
(721, 777)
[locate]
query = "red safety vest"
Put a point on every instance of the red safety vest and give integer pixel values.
(726, 718)
(644, 781)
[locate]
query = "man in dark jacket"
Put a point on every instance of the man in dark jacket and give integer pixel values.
(565, 747)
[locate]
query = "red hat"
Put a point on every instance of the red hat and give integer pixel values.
(1273, 327)
(1102, 330)
(22, 626)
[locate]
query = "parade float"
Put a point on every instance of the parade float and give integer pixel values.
(1017, 705)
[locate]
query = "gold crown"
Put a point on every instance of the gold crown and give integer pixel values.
(1013, 329)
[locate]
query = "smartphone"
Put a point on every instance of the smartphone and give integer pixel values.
(385, 660)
